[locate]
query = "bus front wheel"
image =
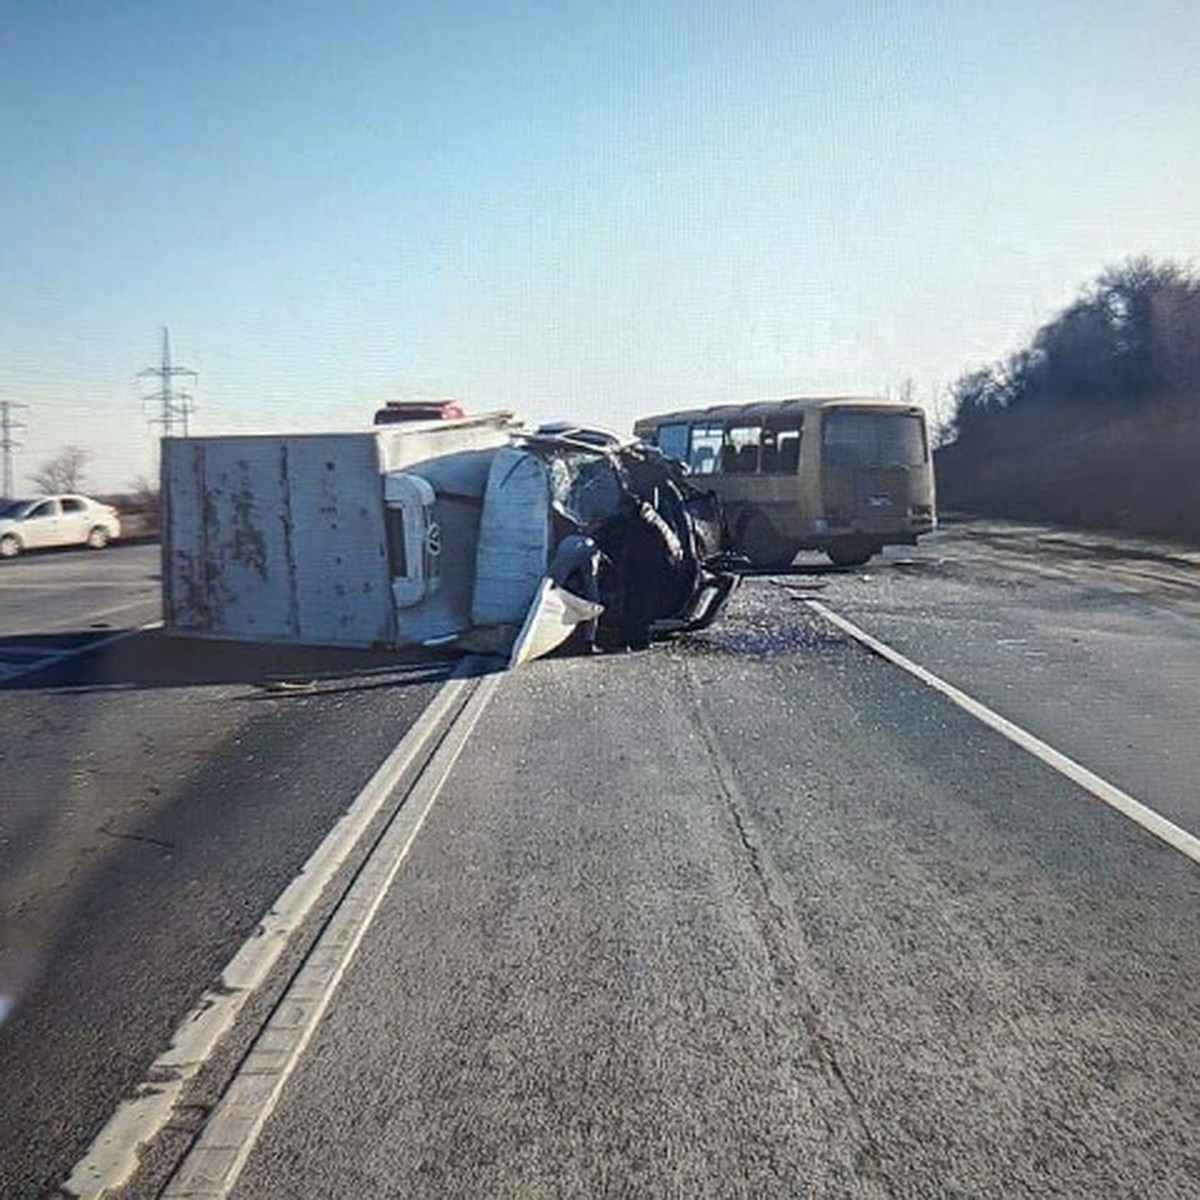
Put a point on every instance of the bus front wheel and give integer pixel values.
(851, 553)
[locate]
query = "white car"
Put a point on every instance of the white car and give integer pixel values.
(47, 521)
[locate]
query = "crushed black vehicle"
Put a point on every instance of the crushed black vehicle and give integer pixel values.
(633, 535)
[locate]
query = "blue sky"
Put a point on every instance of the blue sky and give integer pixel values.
(585, 210)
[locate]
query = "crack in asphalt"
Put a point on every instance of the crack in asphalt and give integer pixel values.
(778, 929)
(137, 837)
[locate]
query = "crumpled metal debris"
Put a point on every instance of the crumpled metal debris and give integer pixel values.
(638, 552)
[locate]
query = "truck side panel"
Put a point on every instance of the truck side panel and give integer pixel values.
(286, 537)
(276, 538)
(340, 544)
(401, 446)
(245, 501)
(184, 556)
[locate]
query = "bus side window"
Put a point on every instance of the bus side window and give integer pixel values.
(768, 453)
(739, 455)
(784, 457)
(705, 452)
(672, 440)
(789, 452)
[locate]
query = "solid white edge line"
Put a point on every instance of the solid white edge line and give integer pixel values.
(113, 1156)
(211, 1167)
(1175, 837)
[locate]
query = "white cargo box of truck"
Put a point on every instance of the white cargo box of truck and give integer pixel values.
(363, 538)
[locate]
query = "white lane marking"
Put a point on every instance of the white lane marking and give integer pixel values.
(123, 607)
(21, 650)
(82, 621)
(1179, 839)
(212, 1166)
(113, 1157)
(61, 656)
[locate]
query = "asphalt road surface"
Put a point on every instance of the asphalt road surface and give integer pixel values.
(1090, 643)
(754, 913)
(156, 798)
(53, 604)
(78, 590)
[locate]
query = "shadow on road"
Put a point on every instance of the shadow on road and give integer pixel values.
(152, 660)
(175, 855)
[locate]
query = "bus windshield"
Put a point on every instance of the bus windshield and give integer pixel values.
(861, 438)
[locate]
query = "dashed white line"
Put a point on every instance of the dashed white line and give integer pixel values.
(1153, 822)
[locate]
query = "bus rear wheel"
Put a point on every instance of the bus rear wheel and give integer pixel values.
(759, 542)
(853, 552)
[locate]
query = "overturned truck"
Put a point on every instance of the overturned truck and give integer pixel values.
(465, 532)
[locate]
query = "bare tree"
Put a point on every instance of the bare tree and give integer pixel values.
(939, 408)
(65, 472)
(143, 497)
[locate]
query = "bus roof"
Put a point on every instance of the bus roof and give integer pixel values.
(762, 409)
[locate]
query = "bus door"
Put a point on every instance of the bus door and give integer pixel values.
(868, 460)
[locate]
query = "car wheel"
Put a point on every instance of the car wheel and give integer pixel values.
(851, 553)
(10, 546)
(98, 538)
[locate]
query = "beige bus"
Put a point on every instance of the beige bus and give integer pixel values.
(845, 475)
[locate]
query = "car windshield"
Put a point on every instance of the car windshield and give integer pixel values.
(12, 509)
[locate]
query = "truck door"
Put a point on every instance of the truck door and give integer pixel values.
(414, 537)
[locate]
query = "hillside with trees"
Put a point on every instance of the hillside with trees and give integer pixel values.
(1096, 423)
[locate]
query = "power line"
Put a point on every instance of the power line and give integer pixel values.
(175, 407)
(7, 444)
